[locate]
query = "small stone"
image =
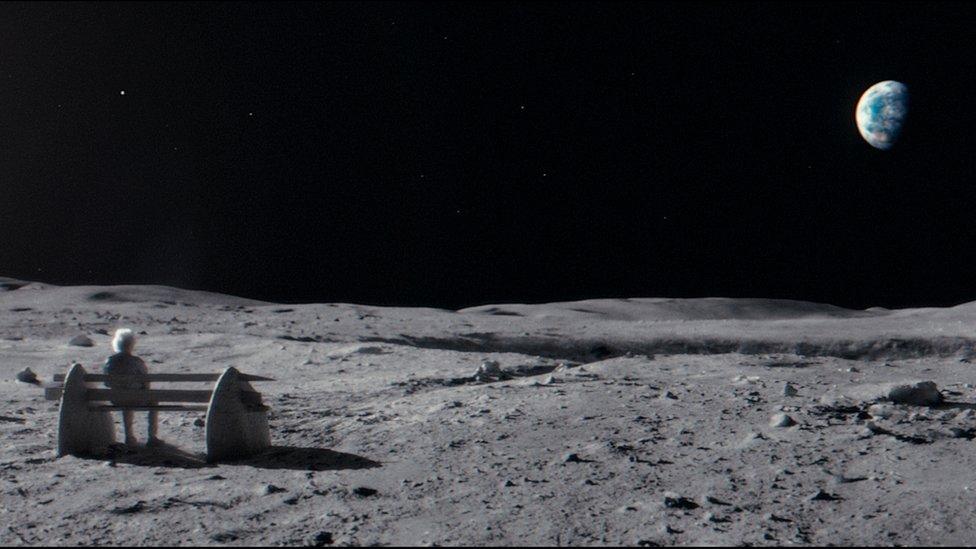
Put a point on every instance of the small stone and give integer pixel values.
(789, 390)
(490, 368)
(136, 507)
(957, 432)
(965, 415)
(842, 479)
(667, 395)
(674, 501)
(571, 458)
(81, 340)
(820, 495)
(364, 492)
(715, 501)
(490, 371)
(781, 420)
(269, 489)
(199, 422)
(27, 376)
(320, 539)
(882, 411)
(922, 393)
(508, 484)
(770, 517)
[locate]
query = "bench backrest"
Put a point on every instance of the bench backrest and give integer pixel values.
(59, 378)
(249, 397)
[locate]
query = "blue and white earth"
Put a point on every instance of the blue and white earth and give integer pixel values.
(881, 112)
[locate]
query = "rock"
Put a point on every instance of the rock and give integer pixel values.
(781, 420)
(965, 415)
(667, 395)
(490, 367)
(772, 517)
(320, 539)
(199, 422)
(490, 371)
(572, 458)
(81, 340)
(918, 393)
(882, 411)
(820, 495)
(268, 489)
(750, 439)
(136, 507)
(364, 492)
(922, 393)
(711, 517)
(27, 376)
(715, 501)
(789, 390)
(843, 479)
(674, 501)
(874, 428)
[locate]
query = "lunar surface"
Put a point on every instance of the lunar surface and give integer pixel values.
(614, 421)
(881, 113)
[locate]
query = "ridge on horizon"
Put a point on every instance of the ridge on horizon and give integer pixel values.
(12, 283)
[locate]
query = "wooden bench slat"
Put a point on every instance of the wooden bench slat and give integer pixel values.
(59, 378)
(156, 395)
(163, 395)
(161, 408)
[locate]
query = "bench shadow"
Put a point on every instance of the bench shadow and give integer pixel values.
(163, 455)
(277, 457)
(306, 459)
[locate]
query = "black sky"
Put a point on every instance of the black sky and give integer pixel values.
(453, 154)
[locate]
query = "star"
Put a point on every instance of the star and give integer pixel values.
(122, 92)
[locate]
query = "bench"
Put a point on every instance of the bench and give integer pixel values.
(237, 419)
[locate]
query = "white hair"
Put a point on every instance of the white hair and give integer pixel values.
(124, 339)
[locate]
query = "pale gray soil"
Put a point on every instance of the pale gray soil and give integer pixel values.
(643, 421)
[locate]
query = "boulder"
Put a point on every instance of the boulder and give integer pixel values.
(81, 340)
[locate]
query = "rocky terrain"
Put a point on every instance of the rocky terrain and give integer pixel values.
(633, 421)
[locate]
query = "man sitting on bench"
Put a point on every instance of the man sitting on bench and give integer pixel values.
(124, 363)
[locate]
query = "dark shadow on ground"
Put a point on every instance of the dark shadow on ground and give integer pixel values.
(946, 405)
(307, 459)
(162, 455)
(276, 457)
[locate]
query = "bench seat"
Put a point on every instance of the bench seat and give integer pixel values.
(159, 408)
